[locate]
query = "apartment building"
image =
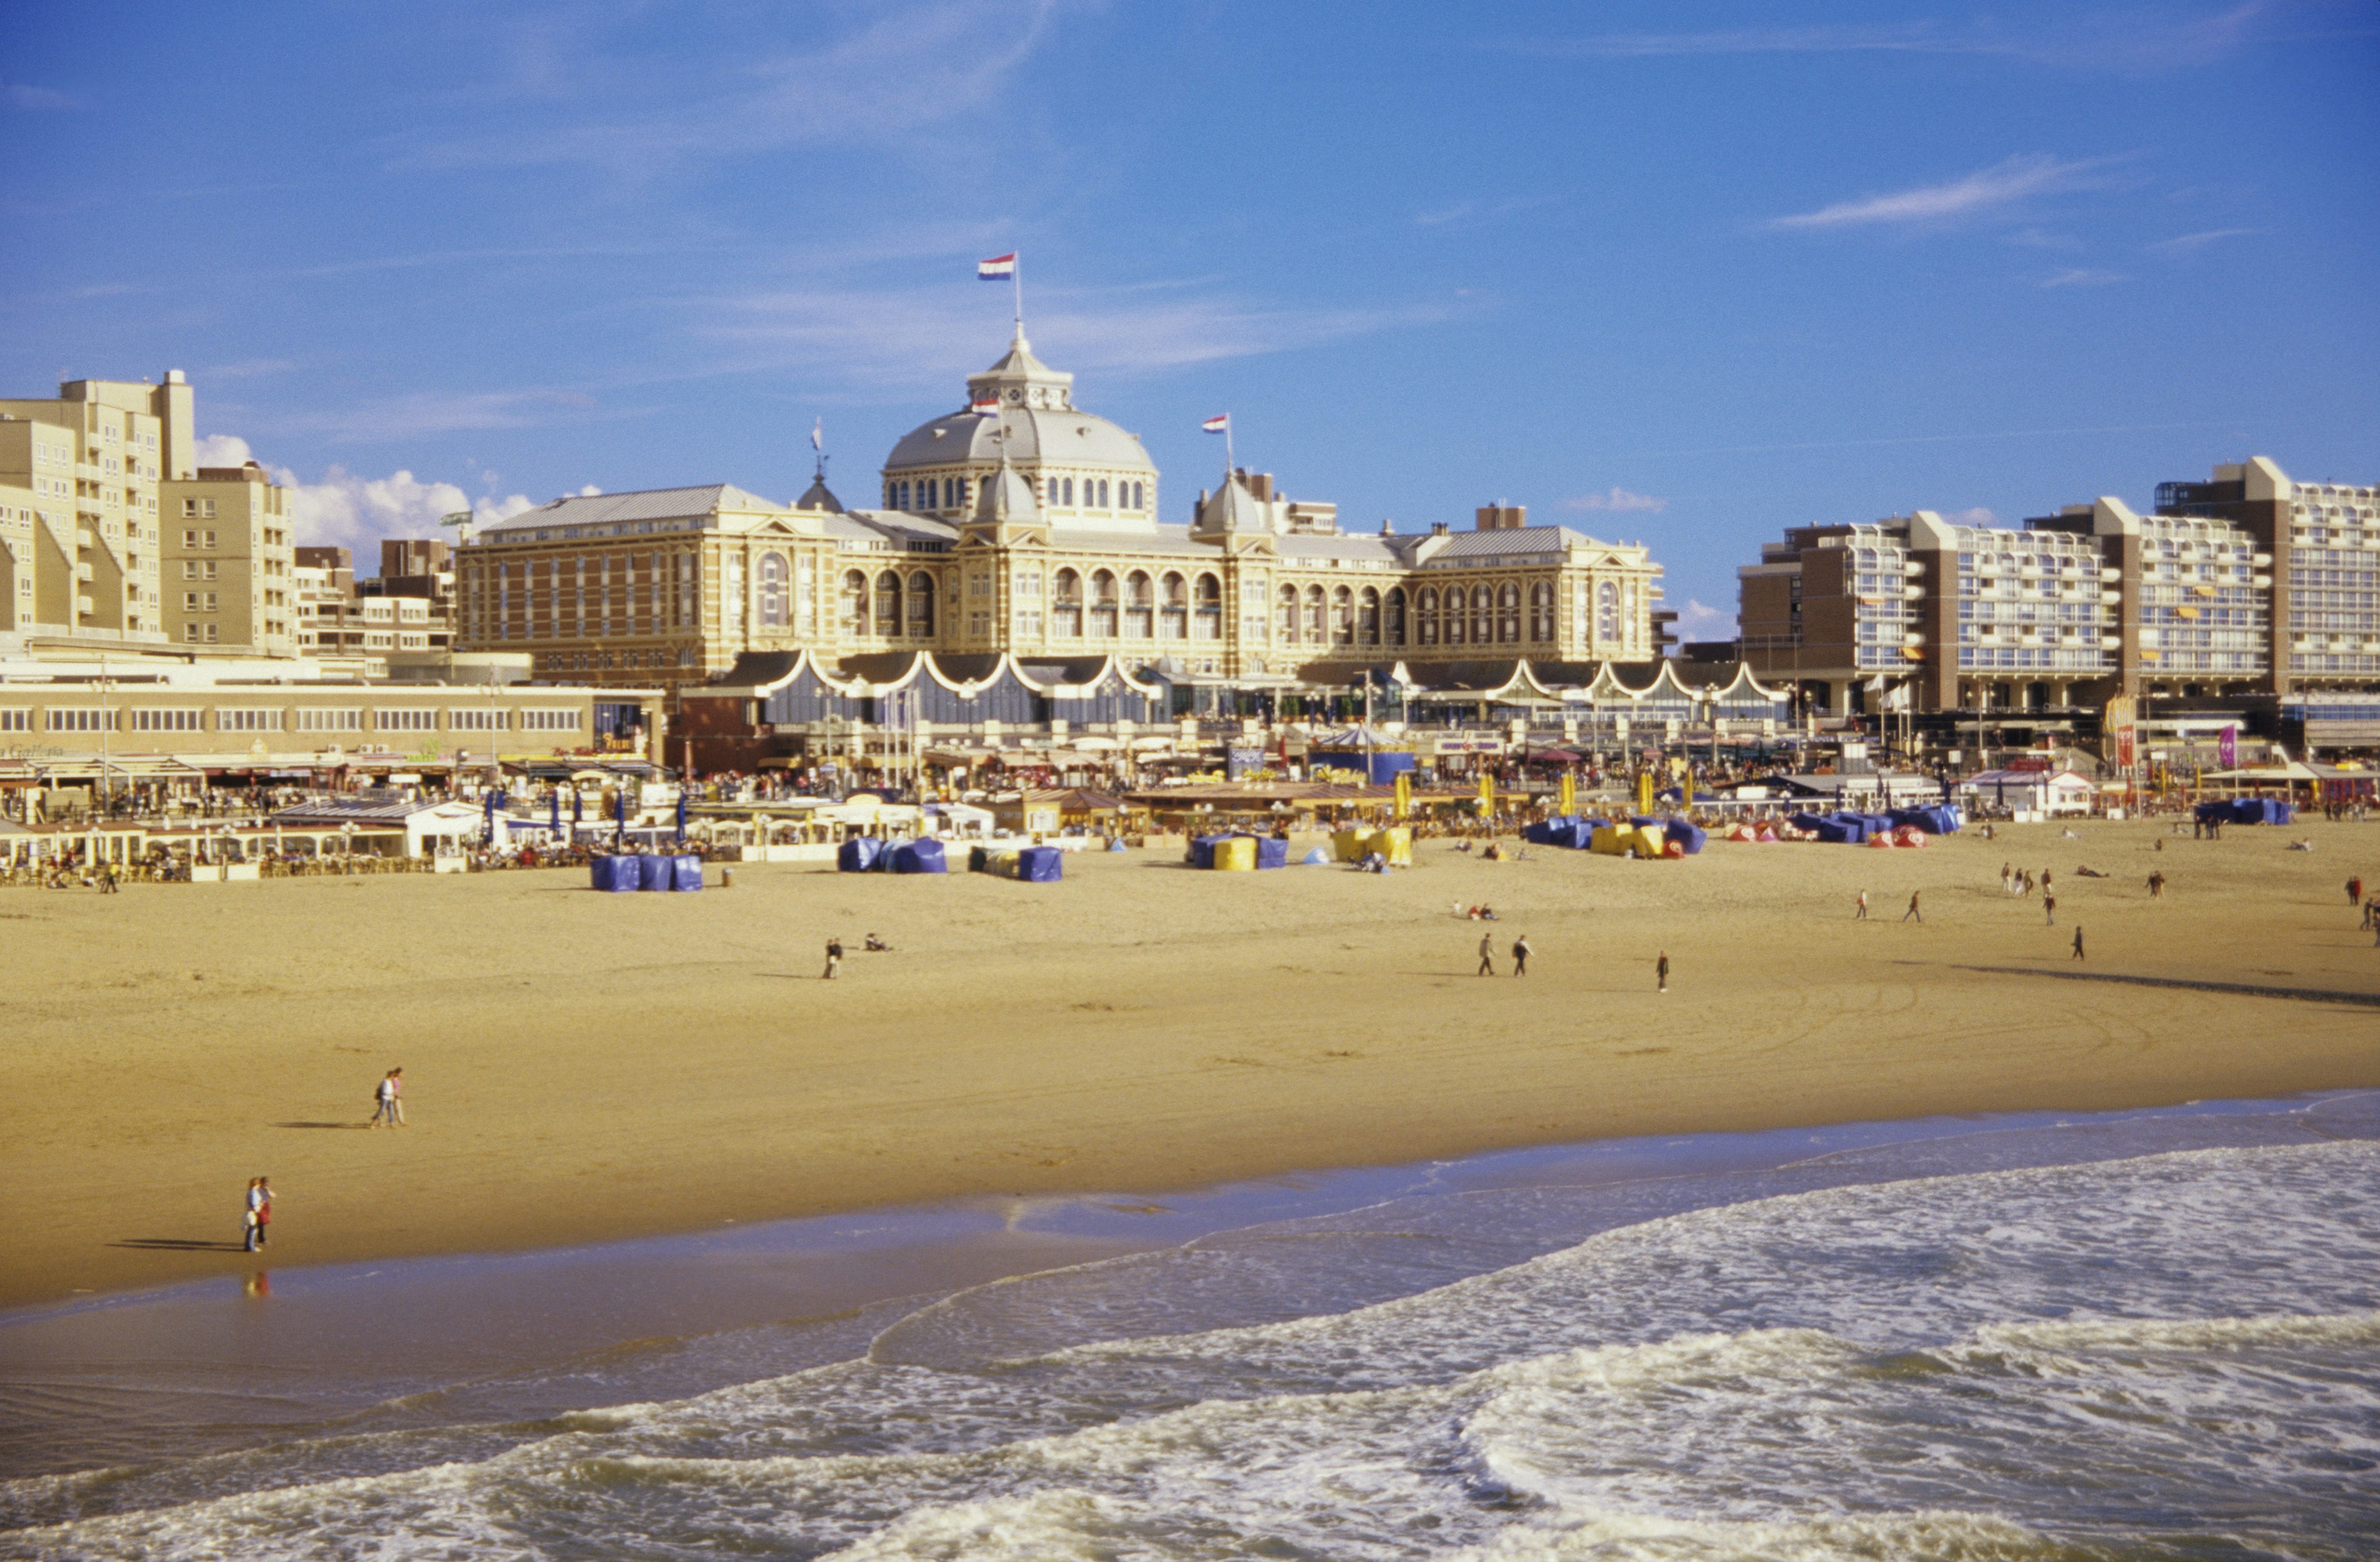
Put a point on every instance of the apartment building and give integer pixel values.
(327, 621)
(229, 568)
(79, 476)
(417, 581)
(2064, 613)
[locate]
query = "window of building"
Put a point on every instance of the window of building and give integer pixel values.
(1288, 616)
(1393, 613)
(248, 719)
(1426, 607)
(855, 602)
(1508, 614)
(1367, 617)
(16, 719)
(1606, 612)
(1541, 611)
(176, 719)
(1483, 614)
(1103, 604)
(315, 720)
(78, 718)
(1342, 617)
(388, 721)
(772, 591)
(1139, 606)
(477, 718)
(921, 606)
(1066, 604)
(549, 721)
(888, 602)
(1173, 610)
(1208, 602)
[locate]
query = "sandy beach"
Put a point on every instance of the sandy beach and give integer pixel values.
(583, 1067)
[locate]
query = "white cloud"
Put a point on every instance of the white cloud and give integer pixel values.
(1990, 190)
(347, 511)
(1617, 499)
(223, 450)
(1700, 621)
(2083, 276)
(1977, 515)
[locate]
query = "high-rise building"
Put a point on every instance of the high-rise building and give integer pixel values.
(228, 565)
(79, 474)
(2078, 607)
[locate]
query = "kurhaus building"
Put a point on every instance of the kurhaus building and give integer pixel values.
(1023, 524)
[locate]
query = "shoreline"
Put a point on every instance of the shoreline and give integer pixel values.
(517, 1340)
(586, 1069)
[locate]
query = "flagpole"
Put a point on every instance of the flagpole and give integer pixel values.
(1017, 280)
(1229, 461)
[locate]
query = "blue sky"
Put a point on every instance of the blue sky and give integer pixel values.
(1680, 272)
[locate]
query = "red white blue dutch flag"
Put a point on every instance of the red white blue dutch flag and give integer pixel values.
(1000, 267)
(984, 407)
(1218, 425)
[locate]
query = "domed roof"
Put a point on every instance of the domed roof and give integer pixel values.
(1037, 422)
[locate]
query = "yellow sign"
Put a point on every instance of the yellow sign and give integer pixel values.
(1404, 794)
(1570, 792)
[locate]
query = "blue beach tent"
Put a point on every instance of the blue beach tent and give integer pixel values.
(859, 854)
(1040, 864)
(919, 856)
(686, 873)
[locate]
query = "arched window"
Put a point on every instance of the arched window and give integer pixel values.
(1139, 606)
(772, 591)
(1317, 630)
(1067, 487)
(1209, 604)
(1541, 611)
(855, 602)
(1173, 618)
(1395, 625)
(1066, 605)
(1103, 605)
(1508, 614)
(1483, 614)
(921, 606)
(1342, 617)
(1606, 613)
(888, 603)
(1458, 623)
(1289, 615)
(1427, 606)
(1103, 494)
(1367, 617)
(1139, 496)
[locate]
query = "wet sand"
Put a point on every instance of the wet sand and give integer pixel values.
(582, 1067)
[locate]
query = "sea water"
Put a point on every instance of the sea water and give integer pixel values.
(2152, 1336)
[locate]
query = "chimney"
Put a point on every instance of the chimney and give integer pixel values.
(1500, 516)
(1261, 484)
(1438, 529)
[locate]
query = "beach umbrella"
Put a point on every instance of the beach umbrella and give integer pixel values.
(681, 813)
(577, 806)
(489, 797)
(553, 813)
(623, 809)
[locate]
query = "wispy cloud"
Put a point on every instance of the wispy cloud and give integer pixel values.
(2119, 40)
(426, 412)
(246, 368)
(908, 75)
(2083, 276)
(1471, 211)
(1996, 188)
(1617, 498)
(935, 336)
(32, 99)
(2185, 243)
(1974, 515)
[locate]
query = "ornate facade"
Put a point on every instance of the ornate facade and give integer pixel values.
(1023, 524)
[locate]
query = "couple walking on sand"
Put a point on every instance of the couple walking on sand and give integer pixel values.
(388, 1101)
(1521, 952)
(256, 1214)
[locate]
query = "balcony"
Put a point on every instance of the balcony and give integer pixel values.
(1913, 593)
(2111, 642)
(2111, 598)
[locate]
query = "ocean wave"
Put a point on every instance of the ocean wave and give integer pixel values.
(2080, 1360)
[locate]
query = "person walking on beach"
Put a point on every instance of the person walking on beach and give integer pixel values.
(2157, 892)
(834, 958)
(2008, 879)
(1861, 914)
(1662, 971)
(1521, 952)
(388, 1107)
(2078, 944)
(258, 1213)
(1913, 910)
(2050, 908)
(2355, 889)
(1487, 955)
